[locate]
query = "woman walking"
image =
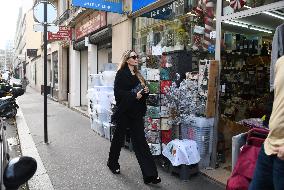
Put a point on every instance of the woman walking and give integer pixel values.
(130, 94)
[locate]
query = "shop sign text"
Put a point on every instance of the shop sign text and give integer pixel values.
(95, 22)
(103, 5)
(64, 33)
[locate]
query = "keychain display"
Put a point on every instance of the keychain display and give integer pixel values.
(165, 74)
(165, 86)
(153, 112)
(152, 124)
(153, 100)
(165, 124)
(153, 136)
(154, 87)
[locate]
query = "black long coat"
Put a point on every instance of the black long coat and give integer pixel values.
(126, 101)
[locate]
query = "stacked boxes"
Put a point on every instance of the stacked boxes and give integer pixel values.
(99, 106)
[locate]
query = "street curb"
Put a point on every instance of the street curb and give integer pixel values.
(41, 180)
(213, 179)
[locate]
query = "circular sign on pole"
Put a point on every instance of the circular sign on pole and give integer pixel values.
(39, 13)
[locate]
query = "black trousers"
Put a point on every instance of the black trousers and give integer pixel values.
(140, 146)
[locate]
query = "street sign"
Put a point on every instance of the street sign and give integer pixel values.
(103, 5)
(39, 13)
(51, 28)
(64, 33)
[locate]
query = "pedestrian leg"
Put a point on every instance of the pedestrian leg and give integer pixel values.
(116, 144)
(141, 149)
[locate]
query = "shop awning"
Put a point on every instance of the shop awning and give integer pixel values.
(80, 45)
(101, 36)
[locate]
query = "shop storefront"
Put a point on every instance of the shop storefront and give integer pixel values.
(246, 34)
(92, 46)
(175, 45)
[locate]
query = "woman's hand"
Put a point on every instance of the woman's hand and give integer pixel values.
(146, 90)
(139, 95)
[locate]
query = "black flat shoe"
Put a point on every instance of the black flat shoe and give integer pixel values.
(114, 169)
(152, 179)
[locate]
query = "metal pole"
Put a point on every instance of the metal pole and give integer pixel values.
(45, 73)
(217, 58)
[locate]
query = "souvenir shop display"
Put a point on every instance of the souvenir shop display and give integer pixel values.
(244, 85)
(164, 40)
(152, 124)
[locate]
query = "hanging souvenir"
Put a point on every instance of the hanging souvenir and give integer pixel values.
(165, 111)
(164, 101)
(152, 136)
(165, 86)
(203, 77)
(165, 124)
(163, 61)
(153, 61)
(153, 112)
(155, 149)
(166, 136)
(153, 100)
(153, 74)
(154, 87)
(205, 13)
(197, 42)
(237, 4)
(152, 124)
(165, 74)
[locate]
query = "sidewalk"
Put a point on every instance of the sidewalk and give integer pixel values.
(75, 157)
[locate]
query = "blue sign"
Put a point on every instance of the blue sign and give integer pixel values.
(211, 48)
(103, 5)
(164, 13)
(139, 4)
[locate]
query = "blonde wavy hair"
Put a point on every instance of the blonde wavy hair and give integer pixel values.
(123, 64)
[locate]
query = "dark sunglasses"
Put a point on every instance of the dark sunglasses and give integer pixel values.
(134, 57)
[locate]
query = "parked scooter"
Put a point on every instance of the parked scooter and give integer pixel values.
(18, 170)
(8, 105)
(8, 95)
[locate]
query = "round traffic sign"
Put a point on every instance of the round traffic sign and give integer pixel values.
(39, 12)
